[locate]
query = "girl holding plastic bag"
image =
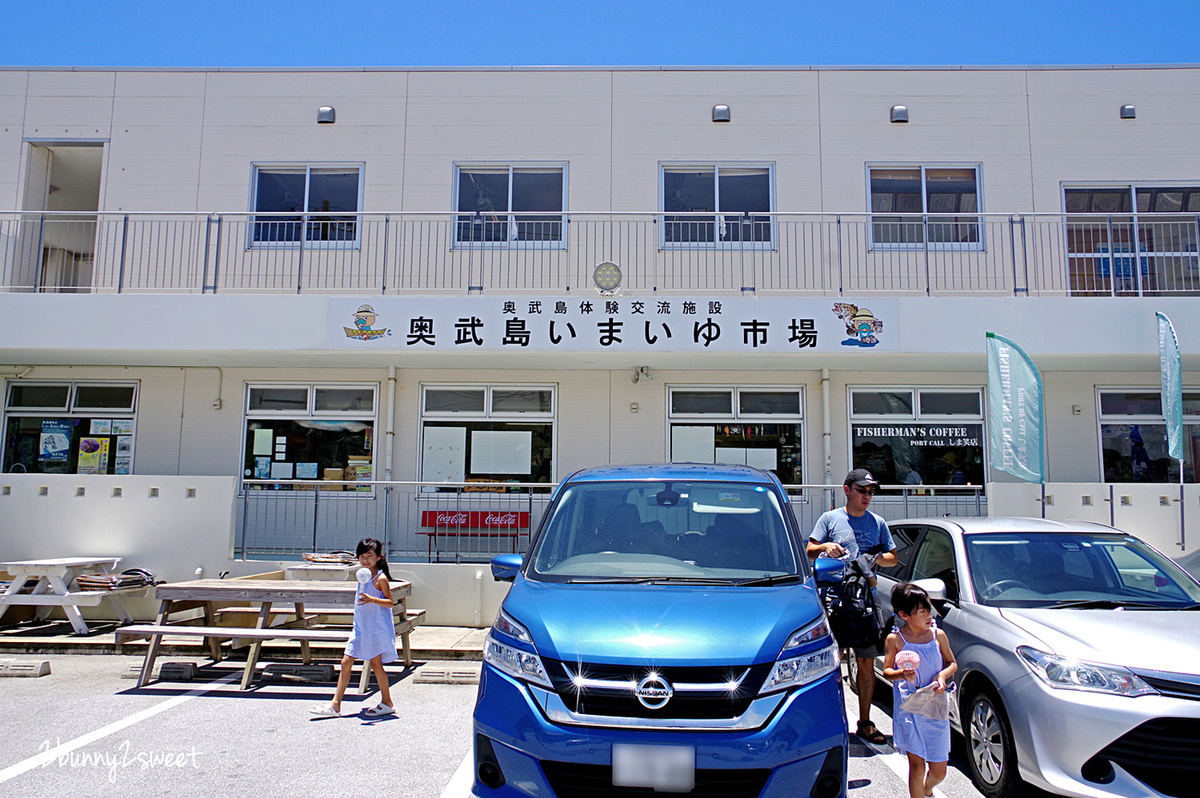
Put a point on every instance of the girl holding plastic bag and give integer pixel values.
(918, 656)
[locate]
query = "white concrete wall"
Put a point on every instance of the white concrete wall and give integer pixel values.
(182, 140)
(1152, 512)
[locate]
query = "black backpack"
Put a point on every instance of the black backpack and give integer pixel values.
(850, 606)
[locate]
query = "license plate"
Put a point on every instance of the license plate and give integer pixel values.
(666, 768)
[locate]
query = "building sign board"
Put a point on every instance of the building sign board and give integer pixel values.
(599, 323)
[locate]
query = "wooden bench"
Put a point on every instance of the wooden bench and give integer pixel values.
(291, 596)
(240, 636)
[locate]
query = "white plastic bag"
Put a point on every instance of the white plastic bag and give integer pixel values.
(929, 703)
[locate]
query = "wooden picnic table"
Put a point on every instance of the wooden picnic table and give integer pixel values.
(57, 587)
(265, 593)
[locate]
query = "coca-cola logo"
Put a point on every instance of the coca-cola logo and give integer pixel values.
(500, 519)
(475, 519)
(446, 519)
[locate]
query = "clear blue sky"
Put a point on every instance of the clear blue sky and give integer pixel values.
(208, 33)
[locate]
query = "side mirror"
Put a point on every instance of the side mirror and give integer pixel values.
(828, 570)
(506, 566)
(936, 588)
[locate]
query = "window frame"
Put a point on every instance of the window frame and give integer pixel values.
(310, 413)
(512, 218)
(919, 418)
(71, 409)
(304, 242)
(925, 244)
(720, 218)
(1145, 419)
(736, 418)
(489, 414)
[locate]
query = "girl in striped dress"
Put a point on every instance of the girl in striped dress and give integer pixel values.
(918, 654)
(374, 637)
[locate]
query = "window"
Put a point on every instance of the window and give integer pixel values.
(918, 436)
(69, 427)
(310, 432)
(761, 427)
(714, 204)
(511, 204)
(482, 433)
(322, 201)
(1133, 436)
(1107, 227)
(908, 195)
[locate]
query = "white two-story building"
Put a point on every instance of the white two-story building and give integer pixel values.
(438, 278)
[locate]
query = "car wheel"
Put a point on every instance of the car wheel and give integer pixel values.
(990, 751)
(851, 671)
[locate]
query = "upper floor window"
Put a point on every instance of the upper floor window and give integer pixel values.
(1109, 229)
(323, 201)
(504, 204)
(909, 194)
(714, 204)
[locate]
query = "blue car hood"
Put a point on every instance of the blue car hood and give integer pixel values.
(661, 624)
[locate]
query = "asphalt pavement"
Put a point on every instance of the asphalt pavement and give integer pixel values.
(87, 728)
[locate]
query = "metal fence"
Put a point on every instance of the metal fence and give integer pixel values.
(404, 253)
(472, 522)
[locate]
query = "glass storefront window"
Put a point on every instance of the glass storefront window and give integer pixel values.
(760, 427)
(919, 436)
(1133, 437)
(69, 428)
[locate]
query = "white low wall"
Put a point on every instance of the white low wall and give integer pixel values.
(1152, 512)
(174, 525)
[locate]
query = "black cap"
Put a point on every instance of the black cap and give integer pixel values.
(860, 476)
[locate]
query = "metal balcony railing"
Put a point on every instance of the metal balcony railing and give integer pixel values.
(452, 253)
(472, 522)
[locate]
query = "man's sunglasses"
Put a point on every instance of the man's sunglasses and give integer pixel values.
(867, 491)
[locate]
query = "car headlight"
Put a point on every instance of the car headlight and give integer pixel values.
(793, 671)
(1068, 674)
(515, 662)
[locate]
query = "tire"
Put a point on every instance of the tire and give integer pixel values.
(991, 754)
(851, 671)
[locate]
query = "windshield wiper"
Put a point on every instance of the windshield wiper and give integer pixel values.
(649, 580)
(1105, 604)
(771, 580)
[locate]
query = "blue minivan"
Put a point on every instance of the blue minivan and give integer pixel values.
(663, 633)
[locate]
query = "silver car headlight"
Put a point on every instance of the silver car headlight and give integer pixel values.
(1069, 674)
(515, 662)
(793, 671)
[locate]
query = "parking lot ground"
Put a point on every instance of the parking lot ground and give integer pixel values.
(86, 728)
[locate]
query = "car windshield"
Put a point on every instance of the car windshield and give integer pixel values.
(706, 532)
(1075, 570)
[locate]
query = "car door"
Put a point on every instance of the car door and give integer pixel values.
(905, 536)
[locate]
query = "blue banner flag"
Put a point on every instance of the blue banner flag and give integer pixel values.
(1014, 411)
(1172, 385)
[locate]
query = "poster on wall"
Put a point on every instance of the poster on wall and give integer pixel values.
(55, 443)
(124, 465)
(93, 456)
(122, 426)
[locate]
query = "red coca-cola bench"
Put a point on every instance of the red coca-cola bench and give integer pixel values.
(454, 525)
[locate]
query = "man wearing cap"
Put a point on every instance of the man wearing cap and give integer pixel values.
(855, 533)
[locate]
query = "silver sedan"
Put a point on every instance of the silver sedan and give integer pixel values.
(1078, 650)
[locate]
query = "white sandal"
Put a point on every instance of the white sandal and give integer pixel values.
(380, 710)
(325, 711)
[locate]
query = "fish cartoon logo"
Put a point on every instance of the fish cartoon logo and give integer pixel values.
(861, 324)
(364, 325)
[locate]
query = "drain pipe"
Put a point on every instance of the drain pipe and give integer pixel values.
(389, 435)
(826, 435)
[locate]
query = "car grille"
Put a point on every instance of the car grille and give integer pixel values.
(1161, 753)
(700, 693)
(569, 780)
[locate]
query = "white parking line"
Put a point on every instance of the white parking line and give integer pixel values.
(48, 756)
(460, 783)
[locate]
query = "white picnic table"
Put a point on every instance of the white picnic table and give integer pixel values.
(57, 587)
